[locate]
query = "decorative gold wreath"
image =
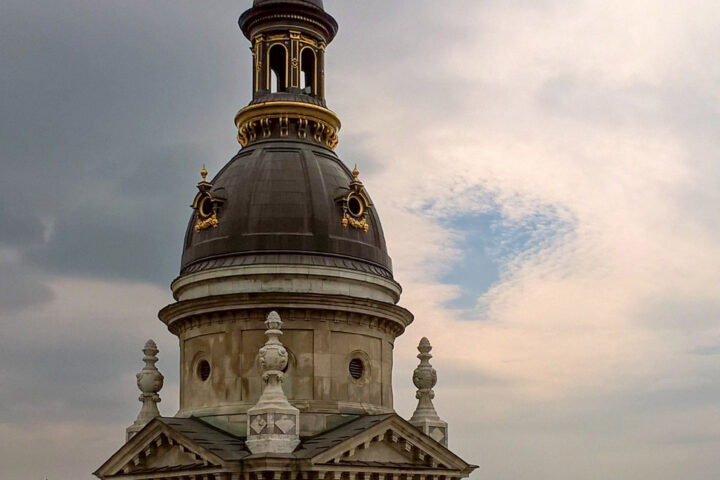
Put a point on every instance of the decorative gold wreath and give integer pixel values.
(356, 220)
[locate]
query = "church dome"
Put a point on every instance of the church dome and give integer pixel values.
(285, 201)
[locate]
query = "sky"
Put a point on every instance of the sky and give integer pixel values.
(547, 173)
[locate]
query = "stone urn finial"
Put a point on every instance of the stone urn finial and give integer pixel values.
(273, 356)
(149, 381)
(273, 422)
(425, 417)
(424, 376)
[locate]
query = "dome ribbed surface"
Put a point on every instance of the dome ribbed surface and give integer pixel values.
(282, 203)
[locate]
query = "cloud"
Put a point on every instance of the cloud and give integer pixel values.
(20, 288)
(608, 186)
(68, 368)
(78, 153)
(75, 352)
(576, 117)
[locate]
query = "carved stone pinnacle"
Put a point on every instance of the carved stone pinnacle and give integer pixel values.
(149, 381)
(425, 417)
(273, 422)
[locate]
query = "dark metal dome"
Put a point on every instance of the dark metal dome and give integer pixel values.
(281, 205)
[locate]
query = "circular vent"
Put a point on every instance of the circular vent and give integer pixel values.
(355, 206)
(356, 368)
(203, 370)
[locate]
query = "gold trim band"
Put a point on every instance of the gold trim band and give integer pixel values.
(257, 122)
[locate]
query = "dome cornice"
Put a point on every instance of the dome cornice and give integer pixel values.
(295, 120)
(334, 309)
(286, 14)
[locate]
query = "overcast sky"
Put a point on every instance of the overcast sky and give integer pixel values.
(548, 177)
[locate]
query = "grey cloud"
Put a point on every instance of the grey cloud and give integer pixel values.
(21, 288)
(684, 107)
(591, 101)
(66, 366)
(74, 382)
(706, 350)
(454, 377)
(105, 125)
(699, 314)
(132, 228)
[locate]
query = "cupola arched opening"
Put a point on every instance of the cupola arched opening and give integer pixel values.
(308, 67)
(277, 61)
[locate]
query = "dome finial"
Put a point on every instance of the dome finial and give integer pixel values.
(203, 173)
(355, 173)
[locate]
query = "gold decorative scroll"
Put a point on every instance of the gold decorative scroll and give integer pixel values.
(257, 121)
(362, 224)
(204, 224)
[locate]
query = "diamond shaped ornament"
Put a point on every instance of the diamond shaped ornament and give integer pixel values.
(258, 424)
(285, 424)
(437, 434)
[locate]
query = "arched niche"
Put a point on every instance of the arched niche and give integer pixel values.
(308, 71)
(278, 68)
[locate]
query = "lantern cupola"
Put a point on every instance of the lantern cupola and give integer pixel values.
(288, 52)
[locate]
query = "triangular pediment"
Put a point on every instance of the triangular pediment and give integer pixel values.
(161, 447)
(391, 441)
(378, 451)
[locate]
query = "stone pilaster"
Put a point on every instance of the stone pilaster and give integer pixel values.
(425, 417)
(273, 423)
(149, 381)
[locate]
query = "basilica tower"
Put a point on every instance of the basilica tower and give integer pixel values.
(286, 307)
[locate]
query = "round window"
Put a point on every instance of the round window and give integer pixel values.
(203, 370)
(355, 206)
(356, 368)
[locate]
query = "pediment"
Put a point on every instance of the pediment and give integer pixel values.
(394, 442)
(156, 448)
(378, 451)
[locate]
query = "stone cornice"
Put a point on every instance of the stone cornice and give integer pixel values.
(336, 308)
(285, 278)
(285, 258)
